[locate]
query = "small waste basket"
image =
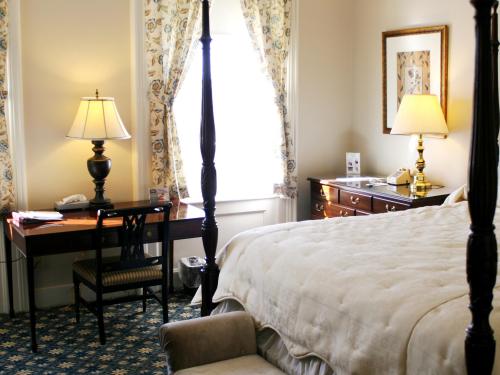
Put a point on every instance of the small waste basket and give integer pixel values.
(189, 272)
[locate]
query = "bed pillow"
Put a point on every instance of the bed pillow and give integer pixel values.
(456, 196)
(460, 195)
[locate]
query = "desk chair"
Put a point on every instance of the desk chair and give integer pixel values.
(133, 269)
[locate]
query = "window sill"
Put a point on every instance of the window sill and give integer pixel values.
(226, 199)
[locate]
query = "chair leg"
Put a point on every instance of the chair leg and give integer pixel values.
(100, 318)
(76, 288)
(144, 299)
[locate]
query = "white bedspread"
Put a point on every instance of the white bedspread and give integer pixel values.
(379, 294)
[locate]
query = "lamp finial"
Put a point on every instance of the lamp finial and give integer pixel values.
(96, 93)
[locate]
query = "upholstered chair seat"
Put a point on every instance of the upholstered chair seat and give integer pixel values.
(87, 270)
(220, 344)
(246, 365)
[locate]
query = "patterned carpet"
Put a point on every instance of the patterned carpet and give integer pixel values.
(132, 345)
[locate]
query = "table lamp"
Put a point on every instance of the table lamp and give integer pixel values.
(420, 114)
(97, 119)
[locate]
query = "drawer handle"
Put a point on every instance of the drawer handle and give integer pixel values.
(391, 209)
(343, 213)
(322, 192)
(354, 200)
(319, 207)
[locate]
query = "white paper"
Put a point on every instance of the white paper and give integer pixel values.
(358, 179)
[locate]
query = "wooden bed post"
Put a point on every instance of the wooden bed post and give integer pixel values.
(494, 48)
(482, 246)
(209, 230)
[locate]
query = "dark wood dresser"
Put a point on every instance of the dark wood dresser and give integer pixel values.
(330, 198)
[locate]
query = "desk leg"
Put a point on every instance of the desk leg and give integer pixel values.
(8, 260)
(171, 268)
(31, 293)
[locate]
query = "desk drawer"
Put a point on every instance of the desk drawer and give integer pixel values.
(325, 192)
(383, 205)
(357, 201)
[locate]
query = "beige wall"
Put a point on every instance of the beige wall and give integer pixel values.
(381, 154)
(324, 91)
(70, 48)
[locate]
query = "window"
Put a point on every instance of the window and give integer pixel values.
(246, 118)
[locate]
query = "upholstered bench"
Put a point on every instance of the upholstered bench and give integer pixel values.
(219, 344)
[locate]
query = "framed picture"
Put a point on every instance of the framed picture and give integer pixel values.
(414, 61)
(352, 163)
(159, 194)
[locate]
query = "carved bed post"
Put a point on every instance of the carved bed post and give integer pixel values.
(482, 246)
(209, 230)
(494, 48)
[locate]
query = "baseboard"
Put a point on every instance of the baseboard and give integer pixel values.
(57, 295)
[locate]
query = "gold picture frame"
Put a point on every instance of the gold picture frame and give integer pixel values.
(413, 61)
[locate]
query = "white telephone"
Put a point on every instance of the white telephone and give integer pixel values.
(400, 177)
(72, 202)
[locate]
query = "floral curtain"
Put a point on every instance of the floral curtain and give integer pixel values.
(268, 22)
(172, 31)
(6, 182)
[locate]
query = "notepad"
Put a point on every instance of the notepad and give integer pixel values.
(26, 217)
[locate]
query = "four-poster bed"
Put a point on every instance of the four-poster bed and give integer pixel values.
(481, 247)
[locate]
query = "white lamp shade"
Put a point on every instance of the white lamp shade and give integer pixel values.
(419, 114)
(98, 119)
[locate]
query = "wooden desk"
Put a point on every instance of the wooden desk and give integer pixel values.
(75, 233)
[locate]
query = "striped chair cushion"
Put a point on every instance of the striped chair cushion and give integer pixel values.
(87, 270)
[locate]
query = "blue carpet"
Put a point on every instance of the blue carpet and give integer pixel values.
(64, 347)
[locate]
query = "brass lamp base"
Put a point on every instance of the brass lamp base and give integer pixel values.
(420, 184)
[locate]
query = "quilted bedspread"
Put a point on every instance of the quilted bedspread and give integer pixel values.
(381, 294)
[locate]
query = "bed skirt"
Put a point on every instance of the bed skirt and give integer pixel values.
(273, 349)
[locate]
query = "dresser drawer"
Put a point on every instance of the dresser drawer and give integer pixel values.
(318, 208)
(357, 201)
(321, 209)
(334, 210)
(362, 213)
(382, 205)
(325, 192)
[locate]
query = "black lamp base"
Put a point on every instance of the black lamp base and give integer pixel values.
(99, 167)
(93, 205)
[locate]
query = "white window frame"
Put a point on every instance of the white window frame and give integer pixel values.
(141, 150)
